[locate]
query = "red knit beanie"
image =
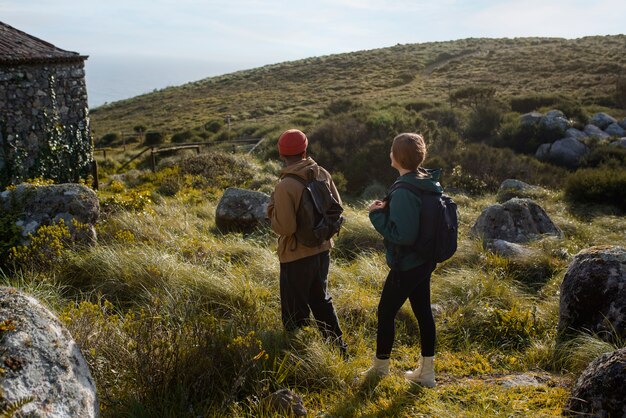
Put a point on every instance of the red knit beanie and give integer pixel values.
(292, 142)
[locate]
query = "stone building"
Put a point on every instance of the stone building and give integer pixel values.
(44, 117)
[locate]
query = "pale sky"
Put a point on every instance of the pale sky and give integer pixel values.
(135, 46)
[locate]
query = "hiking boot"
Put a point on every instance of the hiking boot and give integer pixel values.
(424, 375)
(379, 369)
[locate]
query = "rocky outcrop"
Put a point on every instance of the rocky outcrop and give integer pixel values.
(594, 132)
(517, 220)
(41, 362)
(241, 210)
(34, 206)
(602, 120)
(567, 152)
(599, 391)
(593, 293)
(615, 130)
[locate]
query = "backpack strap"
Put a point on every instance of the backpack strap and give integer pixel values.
(425, 241)
(296, 177)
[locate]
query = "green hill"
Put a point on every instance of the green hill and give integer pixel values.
(279, 95)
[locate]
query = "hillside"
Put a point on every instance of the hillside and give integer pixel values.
(584, 69)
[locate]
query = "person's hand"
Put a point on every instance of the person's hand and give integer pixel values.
(376, 205)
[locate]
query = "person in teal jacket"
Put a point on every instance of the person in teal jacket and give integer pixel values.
(397, 219)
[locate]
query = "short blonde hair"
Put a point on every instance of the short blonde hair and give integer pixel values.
(409, 150)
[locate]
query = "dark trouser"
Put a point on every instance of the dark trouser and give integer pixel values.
(303, 289)
(413, 284)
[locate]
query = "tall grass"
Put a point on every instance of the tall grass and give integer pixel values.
(176, 319)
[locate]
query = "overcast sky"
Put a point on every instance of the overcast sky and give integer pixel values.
(136, 46)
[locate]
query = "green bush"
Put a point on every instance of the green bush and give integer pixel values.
(154, 138)
(605, 155)
(214, 125)
(183, 136)
(484, 121)
(603, 186)
(219, 170)
(109, 138)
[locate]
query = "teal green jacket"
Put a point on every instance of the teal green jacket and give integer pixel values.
(399, 223)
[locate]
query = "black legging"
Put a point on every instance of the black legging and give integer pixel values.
(413, 284)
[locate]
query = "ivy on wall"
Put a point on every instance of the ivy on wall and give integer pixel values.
(64, 155)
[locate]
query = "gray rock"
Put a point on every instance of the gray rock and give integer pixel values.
(602, 120)
(511, 188)
(45, 205)
(593, 293)
(241, 210)
(521, 380)
(508, 249)
(615, 130)
(622, 123)
(600, 391)
(619, 143)
(42, 362)
(575, 133)
(543, 151)
(287, 401)
(567, 152)
(517, 221)
(592, 130)
(555, 119)
(531, 118)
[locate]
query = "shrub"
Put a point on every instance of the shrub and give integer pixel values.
(154, 138)
(340, 106)
(47, 247)
(183, 136)
(610, 156)
(484, 121)
(214, 125)
(109, 138)
(603, 186)
(219, 170)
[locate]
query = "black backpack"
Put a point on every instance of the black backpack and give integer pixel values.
(319, 215)
(439, 224)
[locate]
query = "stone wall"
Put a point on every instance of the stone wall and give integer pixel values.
(44, 122)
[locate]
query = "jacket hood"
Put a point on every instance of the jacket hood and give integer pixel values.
(429, 183)
(301, 168)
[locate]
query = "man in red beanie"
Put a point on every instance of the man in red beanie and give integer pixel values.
(303, 269)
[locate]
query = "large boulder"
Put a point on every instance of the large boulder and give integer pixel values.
(44, 205)
(615, 130)
(622, 123)
(567, 152)
(575, 133)
(555, 120)
(602, 120)
(517, 220)
(41, 361)
(531, 118)
(594, 131)
(600, 390)
(593, 293)
(241, 210)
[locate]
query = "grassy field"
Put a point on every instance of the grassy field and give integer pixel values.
(176, 319)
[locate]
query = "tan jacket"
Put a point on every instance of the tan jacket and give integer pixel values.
(284, 204)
